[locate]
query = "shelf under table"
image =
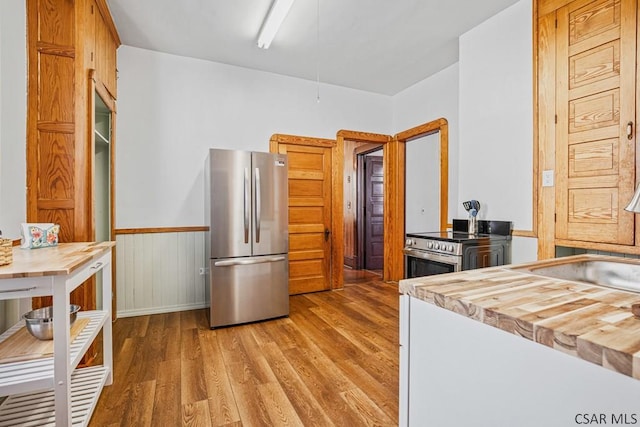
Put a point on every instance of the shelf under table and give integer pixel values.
(38, 409)
(37, 374)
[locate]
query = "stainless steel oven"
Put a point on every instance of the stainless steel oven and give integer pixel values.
(424, 262)
(442, 252)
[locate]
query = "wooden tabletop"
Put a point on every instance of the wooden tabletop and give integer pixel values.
(56, 260)
(588, 321)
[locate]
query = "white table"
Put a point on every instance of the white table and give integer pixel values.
(50, 390)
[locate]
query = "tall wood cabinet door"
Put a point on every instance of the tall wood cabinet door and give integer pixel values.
(105, 48)
(595, 95)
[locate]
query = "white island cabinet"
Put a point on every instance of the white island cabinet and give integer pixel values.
(49, 390)
(458, 371)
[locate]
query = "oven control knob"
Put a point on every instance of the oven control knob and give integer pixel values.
(450, 248)
(408, 242)
(436, 246)
(430, 245)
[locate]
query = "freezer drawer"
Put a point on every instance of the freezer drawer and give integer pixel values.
(248, 289)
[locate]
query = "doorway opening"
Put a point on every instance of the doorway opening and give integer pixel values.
(363, 205)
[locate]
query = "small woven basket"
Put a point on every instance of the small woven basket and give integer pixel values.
(6, 251)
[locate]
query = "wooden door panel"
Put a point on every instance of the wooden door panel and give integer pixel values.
(56, 89)
(589, 19)
(593, 158)
(595, 111)
(306, 215)
(595, 65)
(305, 188)
(595, 71)
(309, 217)
(310, 268)
(55, 166)
(306, 159)
(306, 241)
(56, 22)
(593, 205)
(303, 285)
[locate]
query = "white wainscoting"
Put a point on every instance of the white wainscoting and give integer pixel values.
(159, 272)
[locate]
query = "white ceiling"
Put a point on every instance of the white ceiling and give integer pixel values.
(380, 46)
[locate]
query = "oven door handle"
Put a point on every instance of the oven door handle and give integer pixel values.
(447, 259)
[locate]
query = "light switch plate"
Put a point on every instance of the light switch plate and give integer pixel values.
(547, 178)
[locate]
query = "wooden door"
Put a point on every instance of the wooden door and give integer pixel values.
(595, 159)
(309, 217)
(374, 213)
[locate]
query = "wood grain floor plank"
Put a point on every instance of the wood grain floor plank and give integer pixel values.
(222, 405)
(368, 411)
(152, 349)
(280, 410)
(139, 327)
(192, 383)
(328, 339)
(252, 408)
(196, 414)
(189, 319)
(352, 331)
(333, 361)
(172, 341)
(301, 398)
(167, 409)
(255, 364)
(139, 411)
(325, 392)
(384, 395)
(383, 367)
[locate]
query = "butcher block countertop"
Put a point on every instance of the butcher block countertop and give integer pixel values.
(61, 259)
(588, 321)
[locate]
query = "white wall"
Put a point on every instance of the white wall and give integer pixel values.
(13, 116)
(422, 200)
(496, 116)
(496, 121)
(487, 97)
(171, 109)
(431, 99)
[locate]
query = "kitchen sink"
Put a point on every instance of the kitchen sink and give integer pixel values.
(612, 274)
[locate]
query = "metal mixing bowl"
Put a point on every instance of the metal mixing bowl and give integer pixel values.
(39, 322)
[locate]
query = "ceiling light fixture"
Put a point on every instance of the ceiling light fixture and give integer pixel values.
(271, 25)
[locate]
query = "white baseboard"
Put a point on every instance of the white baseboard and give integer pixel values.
(159, 310)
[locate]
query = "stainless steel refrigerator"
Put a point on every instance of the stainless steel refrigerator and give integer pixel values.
(247, 213)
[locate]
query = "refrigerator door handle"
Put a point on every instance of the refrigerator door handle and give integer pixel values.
(247, 203)
(258, 204)
(231, 263)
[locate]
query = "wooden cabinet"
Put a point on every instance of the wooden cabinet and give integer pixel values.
(64, 44)
(587, 85)
(106, 43)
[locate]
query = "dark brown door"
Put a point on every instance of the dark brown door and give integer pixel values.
(374, 213)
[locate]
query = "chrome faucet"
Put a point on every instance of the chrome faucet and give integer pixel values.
(634, 204)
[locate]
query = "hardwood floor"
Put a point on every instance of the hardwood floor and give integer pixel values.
(333, 361)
